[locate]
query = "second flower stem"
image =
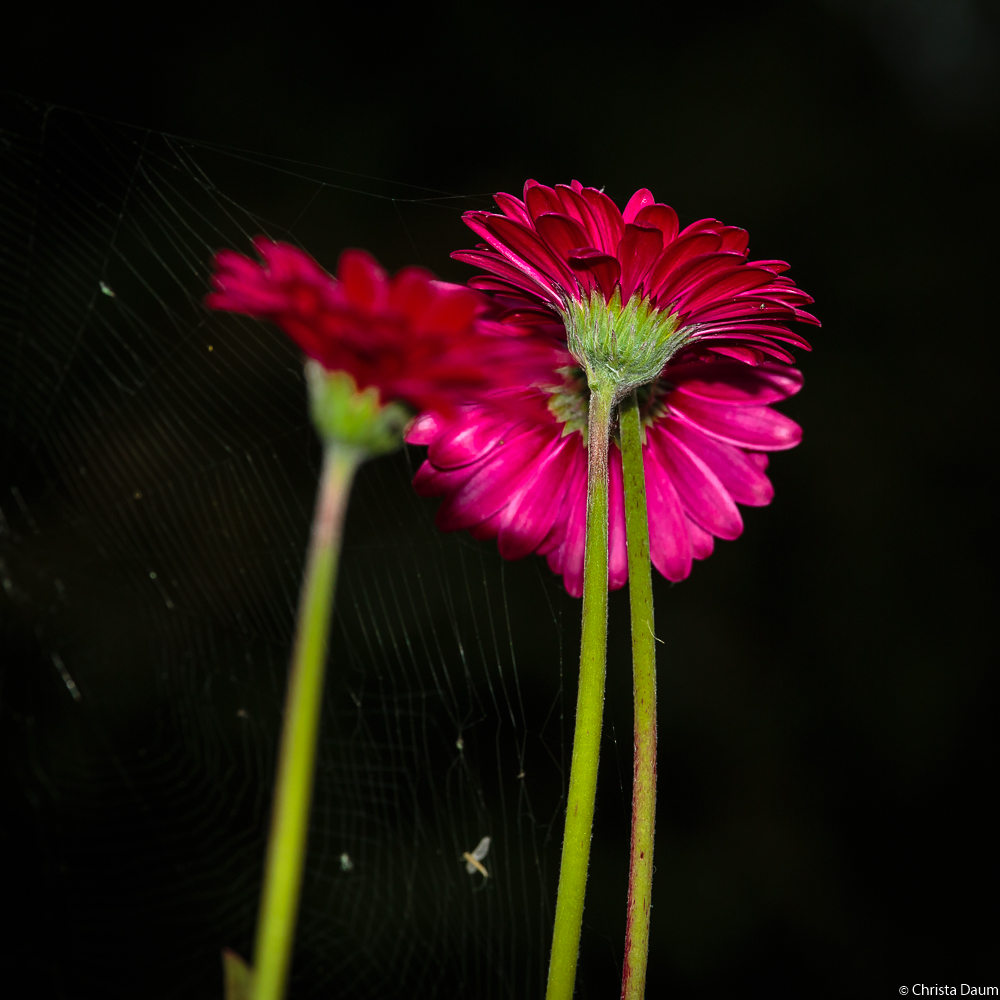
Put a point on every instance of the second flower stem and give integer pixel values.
(286, 847)
(640, 591)
(589, 708)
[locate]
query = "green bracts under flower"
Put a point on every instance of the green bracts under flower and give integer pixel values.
(623, 346)
(346, 415)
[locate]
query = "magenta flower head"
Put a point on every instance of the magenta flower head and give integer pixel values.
(680, 315)
(631, 288)
(394, 346)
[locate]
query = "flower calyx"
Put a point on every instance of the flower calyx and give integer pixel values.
(621, 347)
(345, 415)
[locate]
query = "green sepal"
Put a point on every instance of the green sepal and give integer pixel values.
(621, 346)
(237, 976)
(346, 415)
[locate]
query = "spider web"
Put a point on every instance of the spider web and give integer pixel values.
(155, 502)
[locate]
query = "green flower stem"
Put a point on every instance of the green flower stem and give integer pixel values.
(640, 590)
(589, 708)
(297, 756)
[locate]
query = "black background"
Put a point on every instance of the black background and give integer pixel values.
(828, 716)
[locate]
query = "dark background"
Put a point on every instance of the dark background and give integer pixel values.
(828, 735)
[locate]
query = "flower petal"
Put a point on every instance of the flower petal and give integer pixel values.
(519, 243)
(675, 287)
(701, 226)
(604, 267)
(734, 239)
(362, 278)
(676, 253)
(469, 439)
(669, 547)
(535, 504)
(737, 471)
(562, 234)
(423, 429)
(755, 427)
(607, 218)
(617, 548)
(570, 557)
(705, 499)
(539, 199)
(724, 285)
(702, 543)
(661, 216)
(489, 489)
(512, 207)
(637, 202)
(734, 384)
(637, 251)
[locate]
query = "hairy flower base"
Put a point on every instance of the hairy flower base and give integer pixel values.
(523, 479)
(622, 346)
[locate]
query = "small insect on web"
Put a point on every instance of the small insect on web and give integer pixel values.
(474, 860)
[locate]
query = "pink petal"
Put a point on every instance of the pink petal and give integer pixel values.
(535, 504)
(607, 218)
(675, 286)
(617, 548)
(424, 428)
(737, 471)
(710, 330)
(748, 355)
(735, 384)
(661, 216)
(362, 278)
(701, 226)
(604, 267)
(637, 251)
(757, 428)
(543, 280)
(669, 548)
(470, 439)
(719, 287)
(705, 499)
(487, 529)
(496, 478)
(570, 555)
(576, 492)
(702, 543)
(561, 233)
(430, 481)
(525, 245)
(734, 239)
(539, 199)
(512, 207)
(638, 201)
(576, 207)
(676, 254)
(749, 309)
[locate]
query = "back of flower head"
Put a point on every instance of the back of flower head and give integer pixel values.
(648, 431)
(380, 350)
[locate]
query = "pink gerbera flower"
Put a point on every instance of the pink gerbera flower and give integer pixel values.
(713, 328)
(523, 479)
(424, 342)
